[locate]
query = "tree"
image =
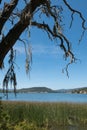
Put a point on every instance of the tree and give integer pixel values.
(24, 17)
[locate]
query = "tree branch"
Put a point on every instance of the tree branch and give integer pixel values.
(8, 8)
(10, 39)
(60, 36)
(75, 11)
(63, 40)
(0, 1)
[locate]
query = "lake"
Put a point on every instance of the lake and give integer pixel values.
(47, 97)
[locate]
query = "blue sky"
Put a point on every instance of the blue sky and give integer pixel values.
(48, 62)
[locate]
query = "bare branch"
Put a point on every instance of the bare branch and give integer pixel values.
(8, 8)
(75, 11)
(71, 20)
(82, 35)
(62, 38)
(46, 28)
(0, 1)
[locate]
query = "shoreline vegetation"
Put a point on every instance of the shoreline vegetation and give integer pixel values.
(43, 116)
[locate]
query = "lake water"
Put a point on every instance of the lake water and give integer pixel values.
(47, 97)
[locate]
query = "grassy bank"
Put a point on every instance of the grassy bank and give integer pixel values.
(45, 115)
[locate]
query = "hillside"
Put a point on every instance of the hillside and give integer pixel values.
(80, 90)
(36, 89)
(48, 90)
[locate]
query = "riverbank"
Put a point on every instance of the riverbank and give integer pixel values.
(45, 116)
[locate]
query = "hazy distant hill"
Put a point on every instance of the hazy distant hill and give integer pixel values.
(48, 90)
(36, 89)
(75, 90)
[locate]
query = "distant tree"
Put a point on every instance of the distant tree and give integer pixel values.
(18, 19)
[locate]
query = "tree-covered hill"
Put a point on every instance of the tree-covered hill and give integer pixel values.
(48, 90)
(36, 89)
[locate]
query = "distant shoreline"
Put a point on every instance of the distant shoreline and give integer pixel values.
(82, 90)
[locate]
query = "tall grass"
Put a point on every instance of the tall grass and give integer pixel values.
(47, 115)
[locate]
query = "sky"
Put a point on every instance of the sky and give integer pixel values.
(47, 57)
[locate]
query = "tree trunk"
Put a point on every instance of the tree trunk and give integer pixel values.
(13, 35)
(7, 10)
(11, 39)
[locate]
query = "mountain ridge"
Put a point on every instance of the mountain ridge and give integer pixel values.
(49, 90)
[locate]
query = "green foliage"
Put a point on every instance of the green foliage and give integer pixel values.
(24, 125)
(27, 126)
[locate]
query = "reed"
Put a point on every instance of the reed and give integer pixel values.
(46, 115)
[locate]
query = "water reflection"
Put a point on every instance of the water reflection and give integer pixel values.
(70, 128)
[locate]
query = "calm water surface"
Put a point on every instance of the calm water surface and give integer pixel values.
(48, 97)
